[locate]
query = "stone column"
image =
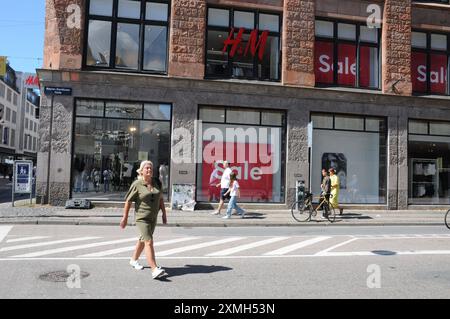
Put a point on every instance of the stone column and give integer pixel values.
(58, 144)
(187, 39)
(396, 47)
(298, 42)
(392, 165)
(297, 164)
(64, 28)
(402, 200)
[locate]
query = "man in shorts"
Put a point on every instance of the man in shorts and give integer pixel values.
(224, 185)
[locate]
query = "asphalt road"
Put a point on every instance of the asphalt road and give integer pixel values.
(227, 263)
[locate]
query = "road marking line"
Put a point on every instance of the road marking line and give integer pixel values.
(325, 251)
(288, 249)
(233, 250)
(197, 246)
(131, 248)
(46, 243)
(4, 230)
(26, 239)
(71, 248)
(331, 254)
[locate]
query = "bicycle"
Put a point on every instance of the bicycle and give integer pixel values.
(302, 211)
(447, 219)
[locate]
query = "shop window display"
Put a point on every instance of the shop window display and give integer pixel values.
(108, 149)
(355, 147)
(429, 162)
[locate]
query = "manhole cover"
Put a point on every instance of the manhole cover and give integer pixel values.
(60, 276)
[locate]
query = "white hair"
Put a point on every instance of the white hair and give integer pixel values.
(141, 168)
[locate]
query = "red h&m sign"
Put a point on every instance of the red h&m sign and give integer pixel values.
(324, 64)
(254, 44)
(438, 72)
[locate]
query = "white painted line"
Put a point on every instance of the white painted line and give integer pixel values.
(288, 249)
(71, 248)
(234, 250)
(391, 253)
(131, 248)
(4, 230)
(197, 246)
(26, 239)
(47, 243)
(325, 251)
(331, 254)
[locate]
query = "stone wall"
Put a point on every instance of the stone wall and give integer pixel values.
(396, 47)
(187, 39)
(298, 43)
(64, 25)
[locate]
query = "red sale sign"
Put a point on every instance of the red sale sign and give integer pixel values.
(346, 63)
(254, 185)
(438, 72)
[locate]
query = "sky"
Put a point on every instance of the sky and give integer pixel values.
(22, 25)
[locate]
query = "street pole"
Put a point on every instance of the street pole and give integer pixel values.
(49, 151)
(13, 184)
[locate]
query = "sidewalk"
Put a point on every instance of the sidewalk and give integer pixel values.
(44, 214)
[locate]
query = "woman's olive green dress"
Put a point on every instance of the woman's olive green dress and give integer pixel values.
(147, 206)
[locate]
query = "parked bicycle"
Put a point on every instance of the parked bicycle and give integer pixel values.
(447, 219)
(303, 210)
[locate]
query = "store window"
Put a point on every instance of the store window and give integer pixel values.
(430, 51)
(128, 35)
(111, 139)
(429, 162)
(243, 44)
(253, 142)
(347, 54)
(356, 147)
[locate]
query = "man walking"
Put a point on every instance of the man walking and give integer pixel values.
(326, 189)
(224, 185)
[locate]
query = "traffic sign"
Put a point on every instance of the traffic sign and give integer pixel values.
(50, 90)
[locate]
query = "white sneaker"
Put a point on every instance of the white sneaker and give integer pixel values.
(216, 212)
(226, 217)
(242, 214)
(136, 265)
(157, 272)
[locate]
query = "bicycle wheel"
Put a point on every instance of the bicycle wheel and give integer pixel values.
(331, 213)
(301, 211)
(447, 219)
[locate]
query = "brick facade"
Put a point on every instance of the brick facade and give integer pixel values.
(64, 27)
(396, 47)
(187, 38)
(298, 43)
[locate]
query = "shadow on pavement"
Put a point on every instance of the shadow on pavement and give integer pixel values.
(352, 216)
(384, 252)
(191, 269)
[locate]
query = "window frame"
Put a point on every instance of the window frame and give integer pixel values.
(115, 20)
(227, 30)
(358, 43)
(428, 51)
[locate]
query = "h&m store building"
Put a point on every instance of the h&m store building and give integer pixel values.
(169, 80)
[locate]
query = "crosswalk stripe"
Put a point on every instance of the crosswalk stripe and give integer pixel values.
(47, 243)
(25, 239)
(197, 246)
(288, 249)
(130, 248)
(4, 230)
(233, 250)
(325, 251)
(64, 249)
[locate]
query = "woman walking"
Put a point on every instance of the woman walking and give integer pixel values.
(234, 192)
(334, 200)
(146, 192)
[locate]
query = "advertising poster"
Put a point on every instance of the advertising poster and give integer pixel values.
(183, 196)
(254, 185)
(23, 177)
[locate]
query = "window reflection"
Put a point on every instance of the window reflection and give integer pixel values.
(99, 39)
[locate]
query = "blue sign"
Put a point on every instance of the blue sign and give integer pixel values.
(23, 172)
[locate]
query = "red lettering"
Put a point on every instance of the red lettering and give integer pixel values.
(254, 44)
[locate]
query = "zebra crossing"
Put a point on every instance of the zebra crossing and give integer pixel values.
(176, 246)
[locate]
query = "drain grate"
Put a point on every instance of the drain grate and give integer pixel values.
(60, 276)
